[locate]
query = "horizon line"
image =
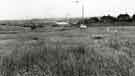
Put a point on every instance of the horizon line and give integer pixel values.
(59, 17)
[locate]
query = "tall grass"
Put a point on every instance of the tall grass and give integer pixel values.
(39, 59)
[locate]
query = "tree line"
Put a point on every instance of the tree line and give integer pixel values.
(108, 19)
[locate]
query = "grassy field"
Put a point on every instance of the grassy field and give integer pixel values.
(67, 51)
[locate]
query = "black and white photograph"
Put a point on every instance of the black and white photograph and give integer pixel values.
(67, 38)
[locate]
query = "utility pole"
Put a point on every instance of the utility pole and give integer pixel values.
(82, 10)
(82, 14)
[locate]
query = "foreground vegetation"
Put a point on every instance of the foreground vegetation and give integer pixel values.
(114, 57)
(44, 53)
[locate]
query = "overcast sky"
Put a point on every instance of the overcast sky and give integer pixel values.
(22, 9)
